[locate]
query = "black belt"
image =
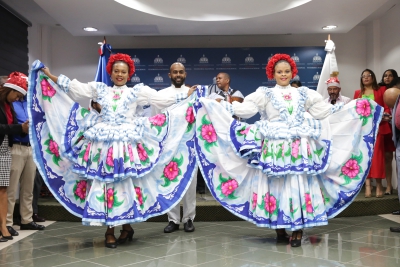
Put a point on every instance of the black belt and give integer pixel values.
(22, 143)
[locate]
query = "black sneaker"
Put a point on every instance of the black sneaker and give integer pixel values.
(188, 226)
(171, 227)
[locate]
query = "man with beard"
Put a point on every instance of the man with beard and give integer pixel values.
(334, 88)
(177, 74)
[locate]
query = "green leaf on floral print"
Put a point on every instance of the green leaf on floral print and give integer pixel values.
(204, 120)
(100, 198)
(45, 97)
(158, 128)
(84, 112)
(223, 179)
(48, 151)
(290, 109)
(358, 158)
(232, 196)
(82, 153)
(208, 145)
(190, 127)
(56, 160)
(318, 152)
(47, 142)
(288, 152)
(179, 161)
(238, 132)
(108, 167)
(278, 154)
(97, 156)
(116, 202)
(149, 152)
(126, 158)
(364, 121)
(114, 107)
(167, 182)
(74, 190)
(256, 138)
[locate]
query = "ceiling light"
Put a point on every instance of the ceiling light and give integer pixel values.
(90, 29)
(329, 27)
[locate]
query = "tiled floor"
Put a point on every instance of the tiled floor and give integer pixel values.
(356, 241)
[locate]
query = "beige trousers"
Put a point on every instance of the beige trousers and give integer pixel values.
(23, 171)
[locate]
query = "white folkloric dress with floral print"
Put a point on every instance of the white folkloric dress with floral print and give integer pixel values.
(110, 168)
(301, 164)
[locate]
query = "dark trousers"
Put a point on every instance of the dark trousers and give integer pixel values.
(36, 191)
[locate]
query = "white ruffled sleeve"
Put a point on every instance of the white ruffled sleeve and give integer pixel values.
(76, 90)
(252, 104)
(317, 107)
(159, 99)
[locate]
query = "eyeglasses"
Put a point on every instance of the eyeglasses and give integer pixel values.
(366, 75)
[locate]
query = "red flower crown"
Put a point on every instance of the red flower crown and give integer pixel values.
(120, 57)
(270, 68)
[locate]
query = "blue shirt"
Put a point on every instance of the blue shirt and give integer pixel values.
(20, 108)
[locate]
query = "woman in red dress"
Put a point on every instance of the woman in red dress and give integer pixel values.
(370, 89)
(388, 81)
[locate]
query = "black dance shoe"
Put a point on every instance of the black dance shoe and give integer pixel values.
(129, 235)
(110, 244)
(296, 238)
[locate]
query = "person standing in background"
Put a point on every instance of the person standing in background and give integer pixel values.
(371, 90)
(388, 80)
(12, 90)
(23, 172)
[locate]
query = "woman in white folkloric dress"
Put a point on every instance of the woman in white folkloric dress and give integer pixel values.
(301, 164)
(112, 168)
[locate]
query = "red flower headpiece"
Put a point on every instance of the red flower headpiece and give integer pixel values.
(270, 68)
(120, 57)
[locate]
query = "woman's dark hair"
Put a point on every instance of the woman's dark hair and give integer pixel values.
(4, 91)
(374, 83)
(298, 83)
(395, 76)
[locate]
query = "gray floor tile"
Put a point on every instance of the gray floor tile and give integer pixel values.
(230, 262)
(157, 263)
(308, 262)
(263, 256)
(391, 252)
(48, 261)
(226, 250)
(23, 255)
(345, 242)
(120, 259)
(361, 247)
(378, 261)
(192, 258)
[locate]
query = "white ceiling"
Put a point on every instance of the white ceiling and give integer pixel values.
(157, 17)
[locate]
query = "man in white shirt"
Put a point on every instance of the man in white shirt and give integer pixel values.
(223, 90)
(334, 88)
(177, 74)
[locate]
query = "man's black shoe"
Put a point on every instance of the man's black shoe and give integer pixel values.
(31, 226)
(37, 218)
(395, 229)
(188, 226)
(171, 227)
(396, 212)
(12, 231)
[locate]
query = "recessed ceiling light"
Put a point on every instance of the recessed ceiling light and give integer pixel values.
(329, 27)
(90, 29)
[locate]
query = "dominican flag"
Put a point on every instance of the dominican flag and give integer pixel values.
(101, 74)
(329, 69)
